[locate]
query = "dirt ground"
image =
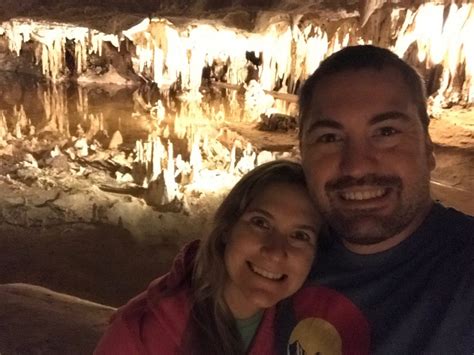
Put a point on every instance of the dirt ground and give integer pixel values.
(106, 259)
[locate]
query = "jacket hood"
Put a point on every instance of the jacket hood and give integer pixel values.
(179, 277)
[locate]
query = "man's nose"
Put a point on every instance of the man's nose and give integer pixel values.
(275, 247)
(358, 158)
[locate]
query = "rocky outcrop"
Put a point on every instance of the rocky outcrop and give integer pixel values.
(35, 320)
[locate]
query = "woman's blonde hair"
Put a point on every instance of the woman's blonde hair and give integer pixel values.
(212, 328)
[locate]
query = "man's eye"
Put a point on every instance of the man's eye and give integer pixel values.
(260, 222)
(328, 138)
(387, 131)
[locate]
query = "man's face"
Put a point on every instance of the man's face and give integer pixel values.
(367, 157)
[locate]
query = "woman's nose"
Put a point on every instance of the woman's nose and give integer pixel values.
(275, 247)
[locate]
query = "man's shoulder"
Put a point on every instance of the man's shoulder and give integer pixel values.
(454, 214)
(453, 222)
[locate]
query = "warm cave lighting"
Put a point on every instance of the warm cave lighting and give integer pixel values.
(190, 147)
(442, 41)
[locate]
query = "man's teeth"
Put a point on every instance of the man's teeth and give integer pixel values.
(362, 195)
(265, 273)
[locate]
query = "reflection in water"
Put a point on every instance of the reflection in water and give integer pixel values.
(165, 139)
(66, 108)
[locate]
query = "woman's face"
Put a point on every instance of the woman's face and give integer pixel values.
(270, 250)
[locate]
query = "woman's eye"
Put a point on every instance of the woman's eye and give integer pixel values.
(301, 236)
(260, 222)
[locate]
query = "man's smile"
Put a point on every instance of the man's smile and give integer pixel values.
(365, 194)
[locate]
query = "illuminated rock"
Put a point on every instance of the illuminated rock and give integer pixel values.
(116, 140)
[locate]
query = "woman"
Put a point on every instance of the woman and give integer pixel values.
(258, 253)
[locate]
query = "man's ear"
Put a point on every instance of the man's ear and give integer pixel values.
(300, 148)
(430, 152)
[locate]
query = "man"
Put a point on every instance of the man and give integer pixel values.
(405, 262)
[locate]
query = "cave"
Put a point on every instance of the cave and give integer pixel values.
(124, 123)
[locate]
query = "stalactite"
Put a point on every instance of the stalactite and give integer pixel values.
(52, 38)
(80, 54)
(291, 46)
(17, 32)
(446, 41)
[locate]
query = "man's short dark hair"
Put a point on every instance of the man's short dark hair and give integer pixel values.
(364, 57)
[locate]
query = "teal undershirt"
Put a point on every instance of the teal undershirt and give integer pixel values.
(248, 327)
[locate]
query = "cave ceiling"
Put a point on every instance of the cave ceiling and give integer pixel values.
(113, 16)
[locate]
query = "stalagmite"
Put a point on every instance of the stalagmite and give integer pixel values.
(232, 160)
(256, 101)
(158, 155)
(21, 121)
(196, 158)
(3, 127)
(29, 161)
(264, 157)
(158, 111)
(82, 147)
(166, 132)
(171, 187)
(116, 140)
(18, 133)
(247, 161)
(139, 151)
(56, 152)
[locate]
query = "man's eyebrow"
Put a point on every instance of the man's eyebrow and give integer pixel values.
(391, 115)
(323, 123)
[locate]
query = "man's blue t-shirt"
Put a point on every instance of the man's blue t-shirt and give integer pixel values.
(418, 298)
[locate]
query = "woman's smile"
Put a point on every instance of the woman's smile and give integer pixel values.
(265, 273)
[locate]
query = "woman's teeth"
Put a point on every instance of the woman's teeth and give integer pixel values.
(265, 273)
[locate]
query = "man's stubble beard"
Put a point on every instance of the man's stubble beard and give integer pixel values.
(366, 227)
